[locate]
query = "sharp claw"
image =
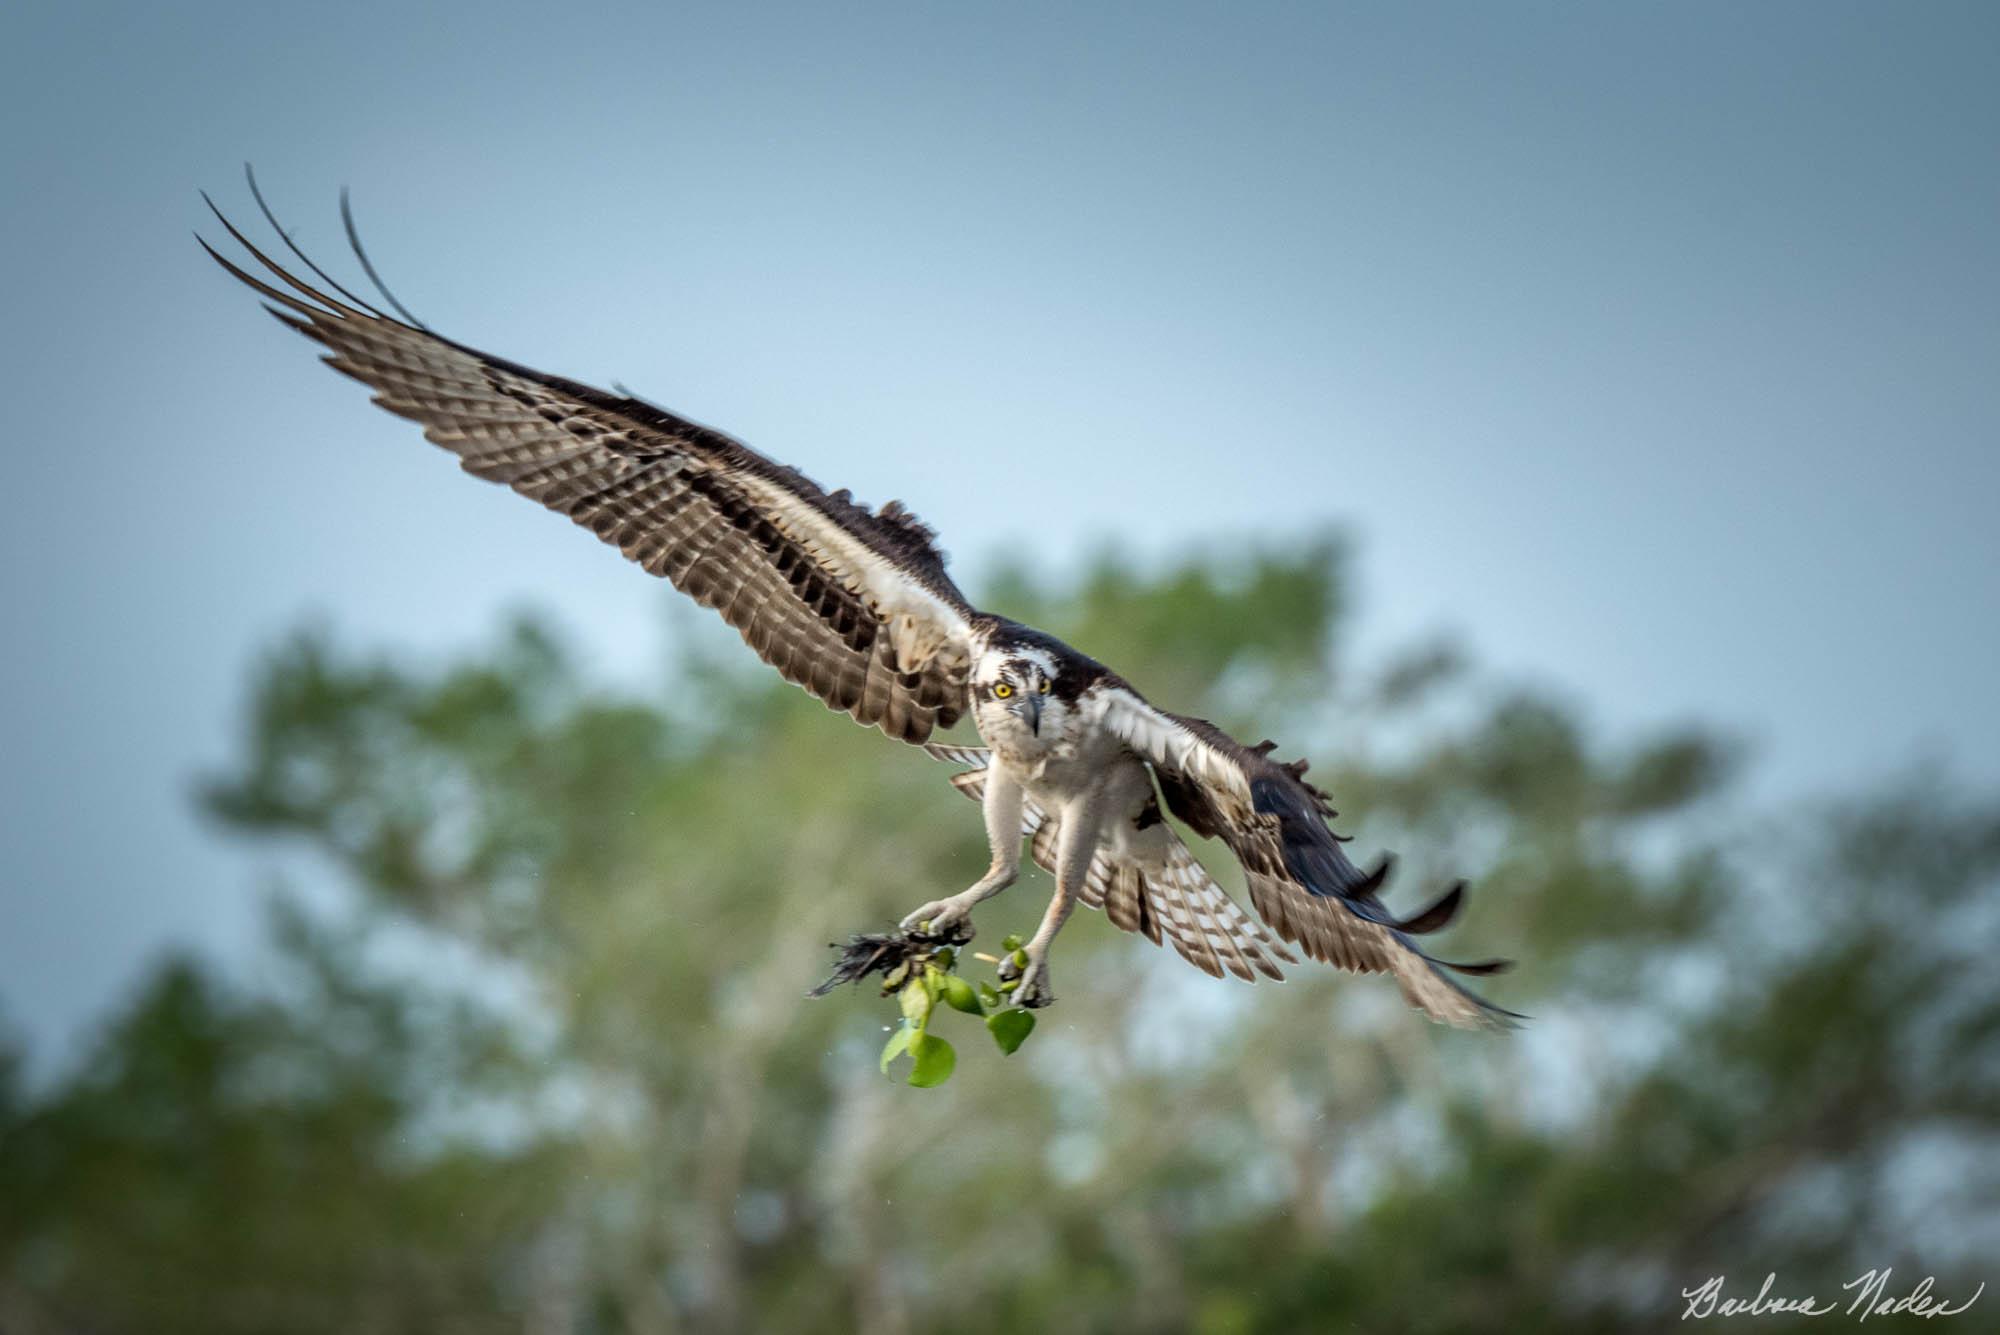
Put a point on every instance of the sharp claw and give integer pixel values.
(1033, 992)
(939, 922)
(928, 913)
(956, 933)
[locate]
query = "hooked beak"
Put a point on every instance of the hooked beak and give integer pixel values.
(1031, 708)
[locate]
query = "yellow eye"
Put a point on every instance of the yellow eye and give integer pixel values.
(1002, 691)
(1045, 685)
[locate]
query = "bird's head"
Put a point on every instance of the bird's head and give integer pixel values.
(1014, 690)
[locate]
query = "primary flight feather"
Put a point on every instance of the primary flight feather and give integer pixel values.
(855, 606)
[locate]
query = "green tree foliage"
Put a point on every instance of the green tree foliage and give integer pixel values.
(552, 1070)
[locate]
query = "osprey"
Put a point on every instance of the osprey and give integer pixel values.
(854, 605)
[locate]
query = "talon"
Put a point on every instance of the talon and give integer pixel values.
(1032, 990)
(942, 921)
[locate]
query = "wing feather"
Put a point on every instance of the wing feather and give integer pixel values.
(1300, 880)
(850, 604)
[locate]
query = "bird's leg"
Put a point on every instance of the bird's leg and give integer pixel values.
(950, 919)
(1076, 844)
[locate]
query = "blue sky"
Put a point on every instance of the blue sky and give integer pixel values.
(1651, 348)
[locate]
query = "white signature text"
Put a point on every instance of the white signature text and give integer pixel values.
(1869, 1296)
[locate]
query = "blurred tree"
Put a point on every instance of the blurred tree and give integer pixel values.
(554, 1071)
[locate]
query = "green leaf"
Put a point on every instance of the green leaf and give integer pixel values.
(990, 997)
(1010, 942)
(933, 982)
(1010, 1029)
(1020, 959)
(915, 999)
(898, 1044)
(934, 1061)
(958, 994)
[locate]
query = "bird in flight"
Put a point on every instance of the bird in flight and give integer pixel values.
(854, 605)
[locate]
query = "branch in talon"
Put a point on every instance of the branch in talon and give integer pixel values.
(891, 954)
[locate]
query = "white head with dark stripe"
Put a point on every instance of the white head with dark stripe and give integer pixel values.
(1018, 696)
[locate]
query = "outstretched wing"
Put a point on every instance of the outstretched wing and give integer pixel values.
(852, 605)
(1146, 881)
(1300, 880)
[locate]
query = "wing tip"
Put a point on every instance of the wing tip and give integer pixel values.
(1462, 1008)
